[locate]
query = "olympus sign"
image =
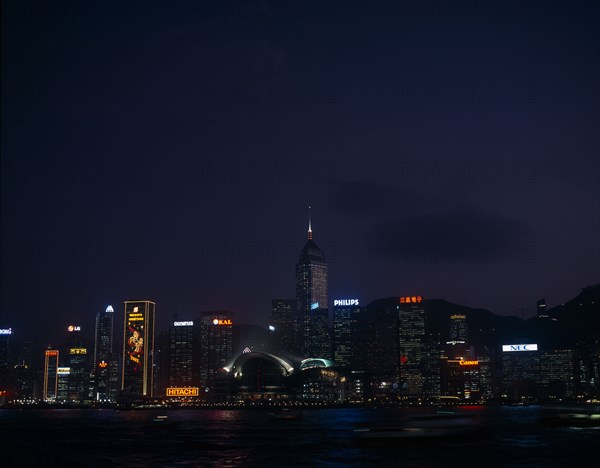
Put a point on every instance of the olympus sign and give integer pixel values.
(345, 302)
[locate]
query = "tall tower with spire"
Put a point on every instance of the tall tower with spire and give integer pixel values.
(312, 299)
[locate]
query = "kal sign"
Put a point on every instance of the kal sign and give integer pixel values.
(185, 391)
(345, 302)
(222, 322)
(520, 347)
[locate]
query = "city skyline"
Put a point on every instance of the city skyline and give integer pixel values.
(171, 153)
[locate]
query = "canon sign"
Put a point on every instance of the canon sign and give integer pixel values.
(345, 302)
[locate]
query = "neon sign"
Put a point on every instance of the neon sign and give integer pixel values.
(78, 351)
(314, 305)
(63, 370)
(468, 363)
(72, 328)
(102, 364)
(411, 299)
(520, 347)
(185, 391)
(345, 302)
(222, 322)
(183, 324)
(51, 352)
(5, 331)
(109, 309)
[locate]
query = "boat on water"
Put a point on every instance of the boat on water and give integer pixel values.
(287, 414)
(572, 419)
(438, 425)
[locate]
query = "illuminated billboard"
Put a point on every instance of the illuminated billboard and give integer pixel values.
(222, 322)
(519, 347)
(5, 331)
(77, 350)
(138, 344)
(411, 299)
(183, 391)
(72, 328)
(345, 302)
(468, 363)
(63, 371)
(183, 324)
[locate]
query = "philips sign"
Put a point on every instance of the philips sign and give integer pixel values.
(520, 347)
(345, 302)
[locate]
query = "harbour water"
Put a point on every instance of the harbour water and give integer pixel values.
(514, 436)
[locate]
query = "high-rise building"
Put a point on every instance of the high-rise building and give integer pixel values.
(183, 354)
(345, 316)
(50, 390)
(411, 345)
(77, 387)
(105, 362)
(216, 344)
(138, 348)
(286, 327)
(312, 299)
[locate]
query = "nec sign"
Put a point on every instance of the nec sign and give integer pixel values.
(520, 347)
(345, 302)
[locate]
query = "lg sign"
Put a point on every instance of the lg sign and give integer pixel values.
(73, 328)
(345, 302)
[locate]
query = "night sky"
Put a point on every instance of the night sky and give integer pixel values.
(169, 151)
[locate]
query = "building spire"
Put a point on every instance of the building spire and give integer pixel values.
(309, 225)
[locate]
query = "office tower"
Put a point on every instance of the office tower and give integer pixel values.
(50, 390)
(138, 348)
(411, 345)
(183, 354)
(381, 347)
(541, 309)
(312, 300)
(5, 348)
(458, 328)
(286, 327)
(77, 362)
(557, 374)
(216, 344)
(105, 371)
(345, 316)
(520, 370)
(161, 362)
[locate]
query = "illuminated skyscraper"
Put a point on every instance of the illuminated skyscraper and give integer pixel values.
(183, 354)
(412, 345)
(138, 348)
(105, 363)
(50, 390)
(216, 344)
(345, 316)
(77, 388)
(312, 299)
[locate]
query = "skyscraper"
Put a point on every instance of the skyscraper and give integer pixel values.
(183, 354)
(312, 299)
(411, 344)
(216, 344)
(50, 390)
(284, 319)
(345, 316)
(77, 387)
(138, 348)
(105, 371)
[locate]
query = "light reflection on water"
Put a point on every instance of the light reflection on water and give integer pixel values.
(243, 438)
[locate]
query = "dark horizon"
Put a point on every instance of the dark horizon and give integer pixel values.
(169, 152)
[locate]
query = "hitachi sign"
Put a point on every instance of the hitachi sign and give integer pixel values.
(345, 302)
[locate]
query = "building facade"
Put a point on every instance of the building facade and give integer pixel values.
(137, 376)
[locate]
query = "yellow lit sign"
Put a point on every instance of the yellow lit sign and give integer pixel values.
(411, 299)
(78, 351)
(468, 363)
(183, 391)
(222, 322)
(51, 353)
